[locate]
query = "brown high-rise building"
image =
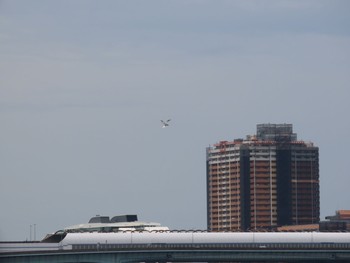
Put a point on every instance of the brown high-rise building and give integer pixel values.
(266, 180)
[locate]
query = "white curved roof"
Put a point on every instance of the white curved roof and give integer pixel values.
(144, 237)
(94, 238)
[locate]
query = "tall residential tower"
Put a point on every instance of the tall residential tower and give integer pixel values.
(267, 180)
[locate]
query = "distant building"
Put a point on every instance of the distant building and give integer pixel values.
(339, 222)
(103, 224)
(119, 223)
(298, 228)
(264, 181)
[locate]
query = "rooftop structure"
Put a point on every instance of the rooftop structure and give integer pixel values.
(120, 223)
(276, 132)
(340, 215)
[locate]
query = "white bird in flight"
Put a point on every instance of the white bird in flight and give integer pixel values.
(165, 123)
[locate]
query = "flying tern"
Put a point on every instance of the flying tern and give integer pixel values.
(165, 123)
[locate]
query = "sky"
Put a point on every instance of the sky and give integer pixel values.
(85, 83)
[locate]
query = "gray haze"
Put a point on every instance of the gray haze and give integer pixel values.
(84, 85)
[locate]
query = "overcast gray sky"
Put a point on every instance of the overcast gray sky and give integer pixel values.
(84, 84)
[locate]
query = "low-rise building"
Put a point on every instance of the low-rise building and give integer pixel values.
(339, 222)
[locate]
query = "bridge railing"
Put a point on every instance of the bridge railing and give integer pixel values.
(208, 246)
